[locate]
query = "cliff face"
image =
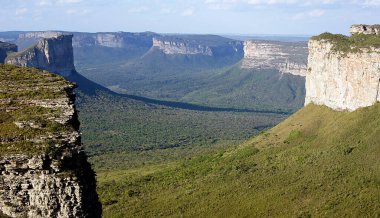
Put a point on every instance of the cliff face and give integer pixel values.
(52, 54)
(5, 48)
(175, 47)
(365, 29)
(342, 80)
(197, 45)
(286, 57)
(43, 170)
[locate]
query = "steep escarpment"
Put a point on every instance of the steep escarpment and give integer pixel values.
(287, 57)
(113, 39)
(43, 169)
(365, 29)
(53, 54)
(343, 72)
(5, 48)
(207, 45)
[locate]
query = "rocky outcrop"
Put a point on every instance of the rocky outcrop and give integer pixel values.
(53, 54)
(197, 45)
(287, 57)
(41, 35)
(5, 48)
(181, 47)
(113, 39)
(43, 169)
(339, 79)
(365, 29)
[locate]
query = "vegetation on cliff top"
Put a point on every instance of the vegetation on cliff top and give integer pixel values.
(353, 44)
(317, 163)
(24, 124)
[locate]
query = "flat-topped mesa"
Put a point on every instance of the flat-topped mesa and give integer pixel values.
(181, 47)
(365, 29)
(51, 54)
(5, 48)
(343, 72)
(284, 56)
(43, 170)
(207, 45)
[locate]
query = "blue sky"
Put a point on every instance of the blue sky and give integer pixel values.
(294, 17)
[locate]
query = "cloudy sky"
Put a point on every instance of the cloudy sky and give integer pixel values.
(294, 17)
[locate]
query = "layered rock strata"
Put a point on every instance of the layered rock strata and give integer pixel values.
(342, 80)
(365, 29)
(43, 169)
(52, 54)
(178, 47)
(198, 45)
(286, 57)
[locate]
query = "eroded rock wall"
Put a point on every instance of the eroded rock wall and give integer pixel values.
(43, 169)
(342, 81)
(365, 29)
(178, 47)
(53, 54)
(286, 57)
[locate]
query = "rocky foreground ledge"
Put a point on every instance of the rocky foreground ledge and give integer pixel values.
(43, 169)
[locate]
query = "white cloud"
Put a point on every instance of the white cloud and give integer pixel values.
(138, 10)
(230, 3)
(74, 11)
(21, 11)
(221, 4)
(69, 1)
(44, 3)
(166, 11)
(372, 2)
(188, 12)
(313, 13)
(316, 13)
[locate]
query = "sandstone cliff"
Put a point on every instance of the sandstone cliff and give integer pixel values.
(365, 29)
(5, 48)
(52, 54)
(43, 170)
(343, 72)
(198, 45)
(177, 47)
(284, 56)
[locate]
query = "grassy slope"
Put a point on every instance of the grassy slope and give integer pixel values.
(318, 162)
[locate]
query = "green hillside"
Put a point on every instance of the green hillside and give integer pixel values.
(317, 163)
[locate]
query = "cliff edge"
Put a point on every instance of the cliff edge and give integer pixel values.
(343, 72)
(43, 169)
